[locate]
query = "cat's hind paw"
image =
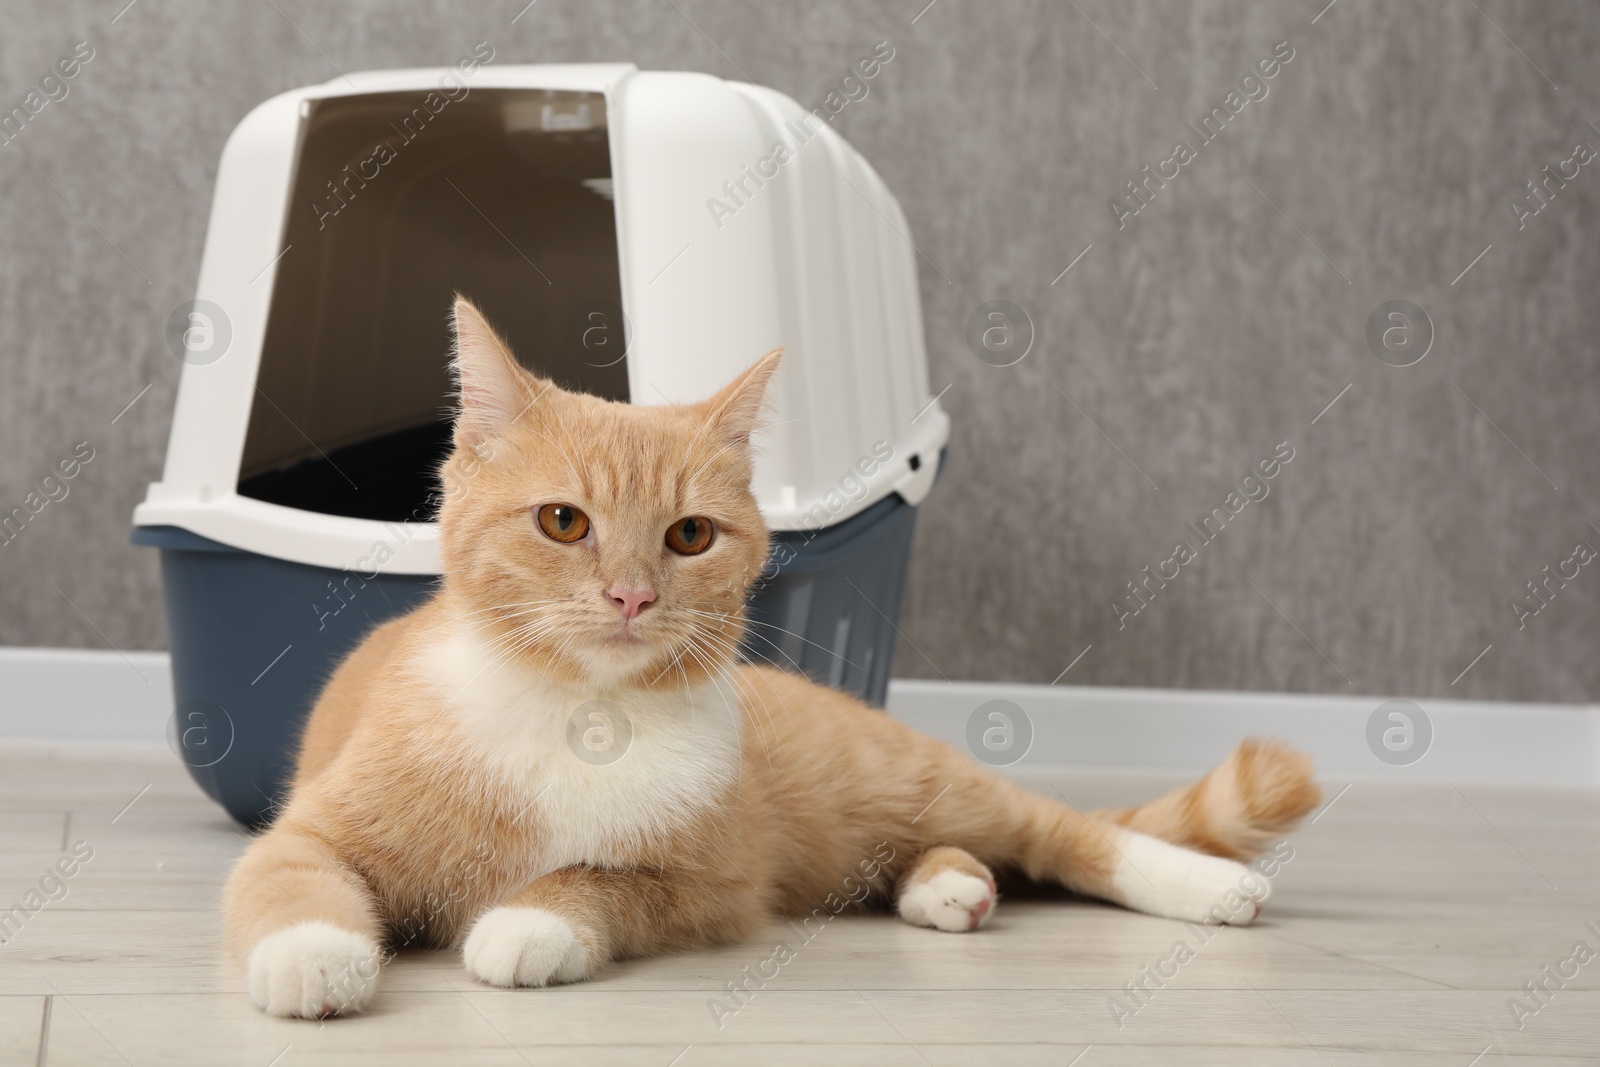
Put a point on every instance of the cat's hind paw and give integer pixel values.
(950, 900)
(313, 970)
(1162, 879)
(524, 947)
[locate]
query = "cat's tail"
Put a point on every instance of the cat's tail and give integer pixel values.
(1258, 794)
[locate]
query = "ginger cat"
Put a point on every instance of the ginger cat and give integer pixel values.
(596, 558)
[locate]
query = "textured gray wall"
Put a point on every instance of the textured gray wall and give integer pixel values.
(1218, 322)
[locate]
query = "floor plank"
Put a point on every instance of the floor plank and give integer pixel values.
(21, 1020)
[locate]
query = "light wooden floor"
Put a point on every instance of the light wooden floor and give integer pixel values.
(1405, 921)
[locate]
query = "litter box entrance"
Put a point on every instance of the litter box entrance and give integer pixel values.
(400, 201)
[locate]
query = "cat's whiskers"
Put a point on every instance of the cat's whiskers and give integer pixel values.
(778, 649)
(513, 604)
(729, 705)
(733, 652)
(740, 623)
(517, 633)
(520, 633)
(730, 649)
(566, 637)
(730, 639)
(530, 617)
(774, 626)
(506, 647)
(775, 646)
(722, 648)
(683, 673)
(471, 616)
(675, 661)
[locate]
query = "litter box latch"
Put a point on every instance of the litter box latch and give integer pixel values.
(918, 478)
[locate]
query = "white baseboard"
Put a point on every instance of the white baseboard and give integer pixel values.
(1191, 730)
(92, 696)
(76, 694)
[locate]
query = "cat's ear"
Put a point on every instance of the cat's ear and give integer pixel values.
(493, 389)
(735, 412)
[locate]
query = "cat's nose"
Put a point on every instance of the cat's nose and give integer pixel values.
(630, 601)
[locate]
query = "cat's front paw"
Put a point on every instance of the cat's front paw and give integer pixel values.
(524, 947)
(312, 970)
(951, 900)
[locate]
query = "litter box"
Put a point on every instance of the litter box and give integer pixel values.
(574, 205)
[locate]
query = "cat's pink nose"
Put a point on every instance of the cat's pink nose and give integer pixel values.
(630, 601)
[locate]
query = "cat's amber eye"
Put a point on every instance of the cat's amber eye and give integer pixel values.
(563, 522)
(691, 536)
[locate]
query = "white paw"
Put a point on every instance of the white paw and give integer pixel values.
(951, 900)
(312, 970)
(524, 946)
(1177, 883)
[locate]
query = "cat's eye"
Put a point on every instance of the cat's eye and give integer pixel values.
(691, 536)
(563, 522)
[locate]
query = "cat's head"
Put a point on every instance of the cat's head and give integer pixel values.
(599, 542)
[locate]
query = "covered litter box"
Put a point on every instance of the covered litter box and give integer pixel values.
(635, 235)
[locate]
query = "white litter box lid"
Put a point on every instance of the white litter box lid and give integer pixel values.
(814, 256)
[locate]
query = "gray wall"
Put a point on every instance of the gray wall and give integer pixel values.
(1220, 321)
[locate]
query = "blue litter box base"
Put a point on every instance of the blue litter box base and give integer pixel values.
(254, 638)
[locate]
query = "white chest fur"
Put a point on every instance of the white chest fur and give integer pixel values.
(601, 771)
